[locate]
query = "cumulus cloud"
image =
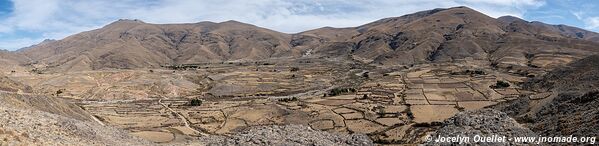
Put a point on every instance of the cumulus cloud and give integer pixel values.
(56, 19)
(592, 23)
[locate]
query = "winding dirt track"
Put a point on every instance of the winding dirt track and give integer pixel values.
(182, 118)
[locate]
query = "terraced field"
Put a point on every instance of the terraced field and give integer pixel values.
(390, 105)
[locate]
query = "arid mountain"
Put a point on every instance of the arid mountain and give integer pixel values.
(429, 36)
(458, 33)
(135, 44)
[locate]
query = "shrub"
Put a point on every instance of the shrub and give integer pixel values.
(410, 115)
(380, 110)
(339, 91)
(288, 99)
(195, 102)
(479, 72)
(500, 84)
(60, 91)
(294, 69)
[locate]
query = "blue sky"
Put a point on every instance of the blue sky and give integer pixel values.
(28, 22)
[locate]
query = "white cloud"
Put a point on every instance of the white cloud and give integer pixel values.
(56, 19)
(579, 15)
(592, 23)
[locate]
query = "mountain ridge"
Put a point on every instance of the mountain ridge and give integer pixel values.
(426, 36)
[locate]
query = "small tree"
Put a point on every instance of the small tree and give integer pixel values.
(380, 111)
(60, 91)
(195, 102)
(288, 99)
(500, 84)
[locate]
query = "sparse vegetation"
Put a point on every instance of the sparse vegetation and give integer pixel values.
(59, 91)
(431, 124)
(288, 99)
(500, 84)
(380, 111)
(469, 72)
(339, 91)
(409, 113)
(195, 102)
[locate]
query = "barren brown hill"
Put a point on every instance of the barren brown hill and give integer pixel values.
(429, 36)
(135, 44)
(459, 33)
(10, 61)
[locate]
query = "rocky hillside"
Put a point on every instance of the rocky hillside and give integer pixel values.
(31, 127)
(27, 119)
(572, 108)
(9, 85)
(579, 75)
(286, 135)
(10, 61)
(484, 122)
(427, 36)
(30, 119)
(46, 104)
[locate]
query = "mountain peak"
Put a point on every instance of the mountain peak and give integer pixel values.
(233, 22)
(130, 20)
(121, 22)
(509, 19)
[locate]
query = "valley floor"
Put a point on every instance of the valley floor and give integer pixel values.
(398, 104)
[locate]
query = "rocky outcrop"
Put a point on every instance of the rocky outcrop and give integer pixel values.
(570, 113)
(484, 122)
(289, 135)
